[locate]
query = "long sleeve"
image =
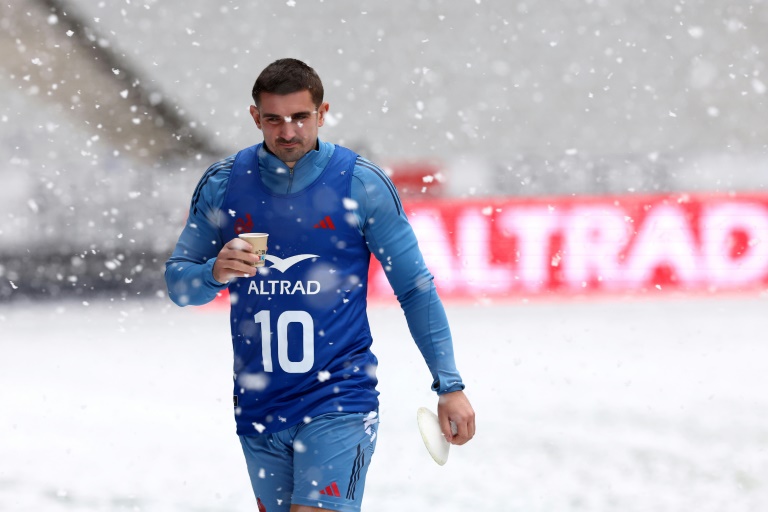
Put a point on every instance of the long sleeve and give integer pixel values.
(392, 241)
(189, 270)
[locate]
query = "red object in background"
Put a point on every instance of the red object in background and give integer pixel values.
(496, 248)
(417, 180)
(221, 300)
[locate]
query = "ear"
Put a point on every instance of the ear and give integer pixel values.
(255, 115)
(321, 111)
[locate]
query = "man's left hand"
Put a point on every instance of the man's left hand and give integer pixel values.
(455, 407)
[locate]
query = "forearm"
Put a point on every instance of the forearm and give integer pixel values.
(428, 324)
(190, 283)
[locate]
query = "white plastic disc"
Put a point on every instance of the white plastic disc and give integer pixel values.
(433, 438)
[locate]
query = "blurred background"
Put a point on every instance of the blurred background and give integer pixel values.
(543, 150)
(114, 109)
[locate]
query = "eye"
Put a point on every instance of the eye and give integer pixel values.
(300, 117)
(273, 120)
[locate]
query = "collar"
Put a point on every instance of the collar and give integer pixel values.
(276, 174)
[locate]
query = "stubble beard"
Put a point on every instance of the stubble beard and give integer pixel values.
(290, 155)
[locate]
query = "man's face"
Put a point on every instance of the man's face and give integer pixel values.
(289, 123)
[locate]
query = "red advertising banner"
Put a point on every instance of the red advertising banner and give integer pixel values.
(494, 248)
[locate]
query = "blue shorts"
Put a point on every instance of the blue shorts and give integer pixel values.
(321, 464)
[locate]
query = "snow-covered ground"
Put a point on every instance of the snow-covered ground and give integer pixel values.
(606, 405)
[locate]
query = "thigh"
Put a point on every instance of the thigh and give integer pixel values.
(270, 466)
(332, 454)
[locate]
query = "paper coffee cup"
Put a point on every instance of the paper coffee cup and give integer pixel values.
(259, 243)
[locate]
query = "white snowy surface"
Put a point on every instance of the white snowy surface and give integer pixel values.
(606, 405)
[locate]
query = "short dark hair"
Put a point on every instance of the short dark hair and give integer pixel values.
(286, 76)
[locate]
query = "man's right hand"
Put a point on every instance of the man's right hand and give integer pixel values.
(234, 260)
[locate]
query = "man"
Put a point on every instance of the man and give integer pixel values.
(305, 386)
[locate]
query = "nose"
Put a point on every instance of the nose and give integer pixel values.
(287, 130)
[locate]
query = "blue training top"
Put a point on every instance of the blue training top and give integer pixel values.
(314, 299)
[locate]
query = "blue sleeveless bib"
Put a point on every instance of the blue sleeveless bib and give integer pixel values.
(300, 330)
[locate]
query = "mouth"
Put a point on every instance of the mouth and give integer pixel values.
(287, 144)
